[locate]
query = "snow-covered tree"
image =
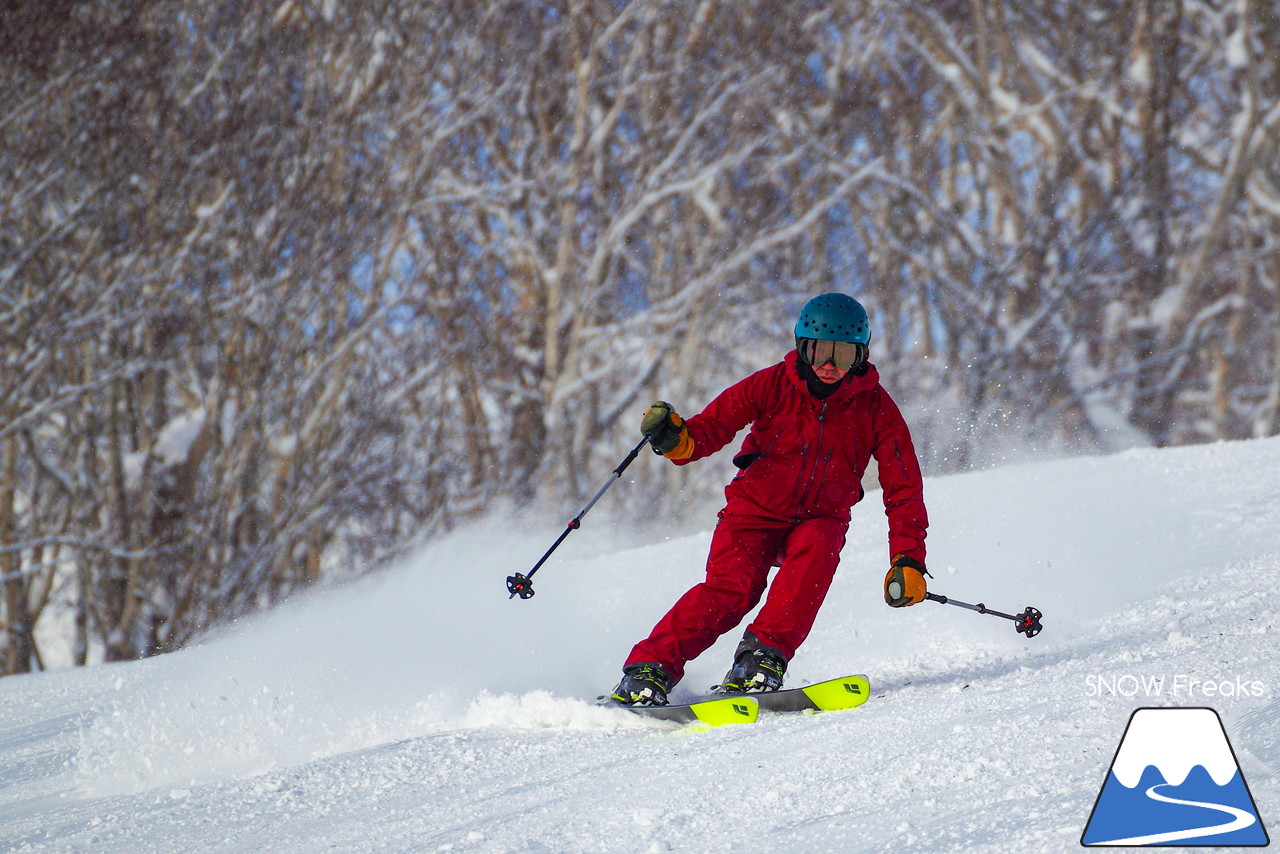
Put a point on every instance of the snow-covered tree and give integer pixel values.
(286, 286)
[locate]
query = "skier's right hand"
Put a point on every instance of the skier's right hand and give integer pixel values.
(666, 431)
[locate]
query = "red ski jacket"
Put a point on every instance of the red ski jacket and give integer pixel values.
(805, 457)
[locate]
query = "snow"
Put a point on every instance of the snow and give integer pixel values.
(208, 210)
(1140, 69)
(1238, 47)
(172, 446)
(425, 711)
(173, 443)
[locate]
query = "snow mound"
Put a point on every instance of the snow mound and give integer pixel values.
(436, 645)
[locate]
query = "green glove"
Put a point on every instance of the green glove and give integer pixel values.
(664, 427)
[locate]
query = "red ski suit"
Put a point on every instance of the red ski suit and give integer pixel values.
(801, 471)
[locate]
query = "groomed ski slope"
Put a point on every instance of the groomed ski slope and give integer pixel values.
(424, 711)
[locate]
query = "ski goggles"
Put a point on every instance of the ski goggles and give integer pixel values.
(843, 354)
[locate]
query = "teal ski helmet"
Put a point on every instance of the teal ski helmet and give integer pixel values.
(834, 317)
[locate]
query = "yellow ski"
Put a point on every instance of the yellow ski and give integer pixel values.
(718, 712)
(848, 692)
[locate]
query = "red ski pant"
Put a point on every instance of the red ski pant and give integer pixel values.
(743, 549)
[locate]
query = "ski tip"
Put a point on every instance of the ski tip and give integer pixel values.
(729, 710)
(848, 692)
(703, 715)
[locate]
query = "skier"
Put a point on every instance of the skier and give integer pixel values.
(817, 418)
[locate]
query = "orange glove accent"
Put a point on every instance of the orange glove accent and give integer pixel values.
(904, 583)
(684, 447)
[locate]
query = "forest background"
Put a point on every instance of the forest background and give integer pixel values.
(288, 287)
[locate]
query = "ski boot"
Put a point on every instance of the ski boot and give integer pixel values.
(756, 669)
(642, 685)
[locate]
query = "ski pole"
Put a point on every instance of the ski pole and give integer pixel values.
(522, 585)
(1027, 623)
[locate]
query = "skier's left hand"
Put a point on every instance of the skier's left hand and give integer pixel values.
(904, 583)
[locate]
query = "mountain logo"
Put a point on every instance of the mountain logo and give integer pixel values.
(1175, 781)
